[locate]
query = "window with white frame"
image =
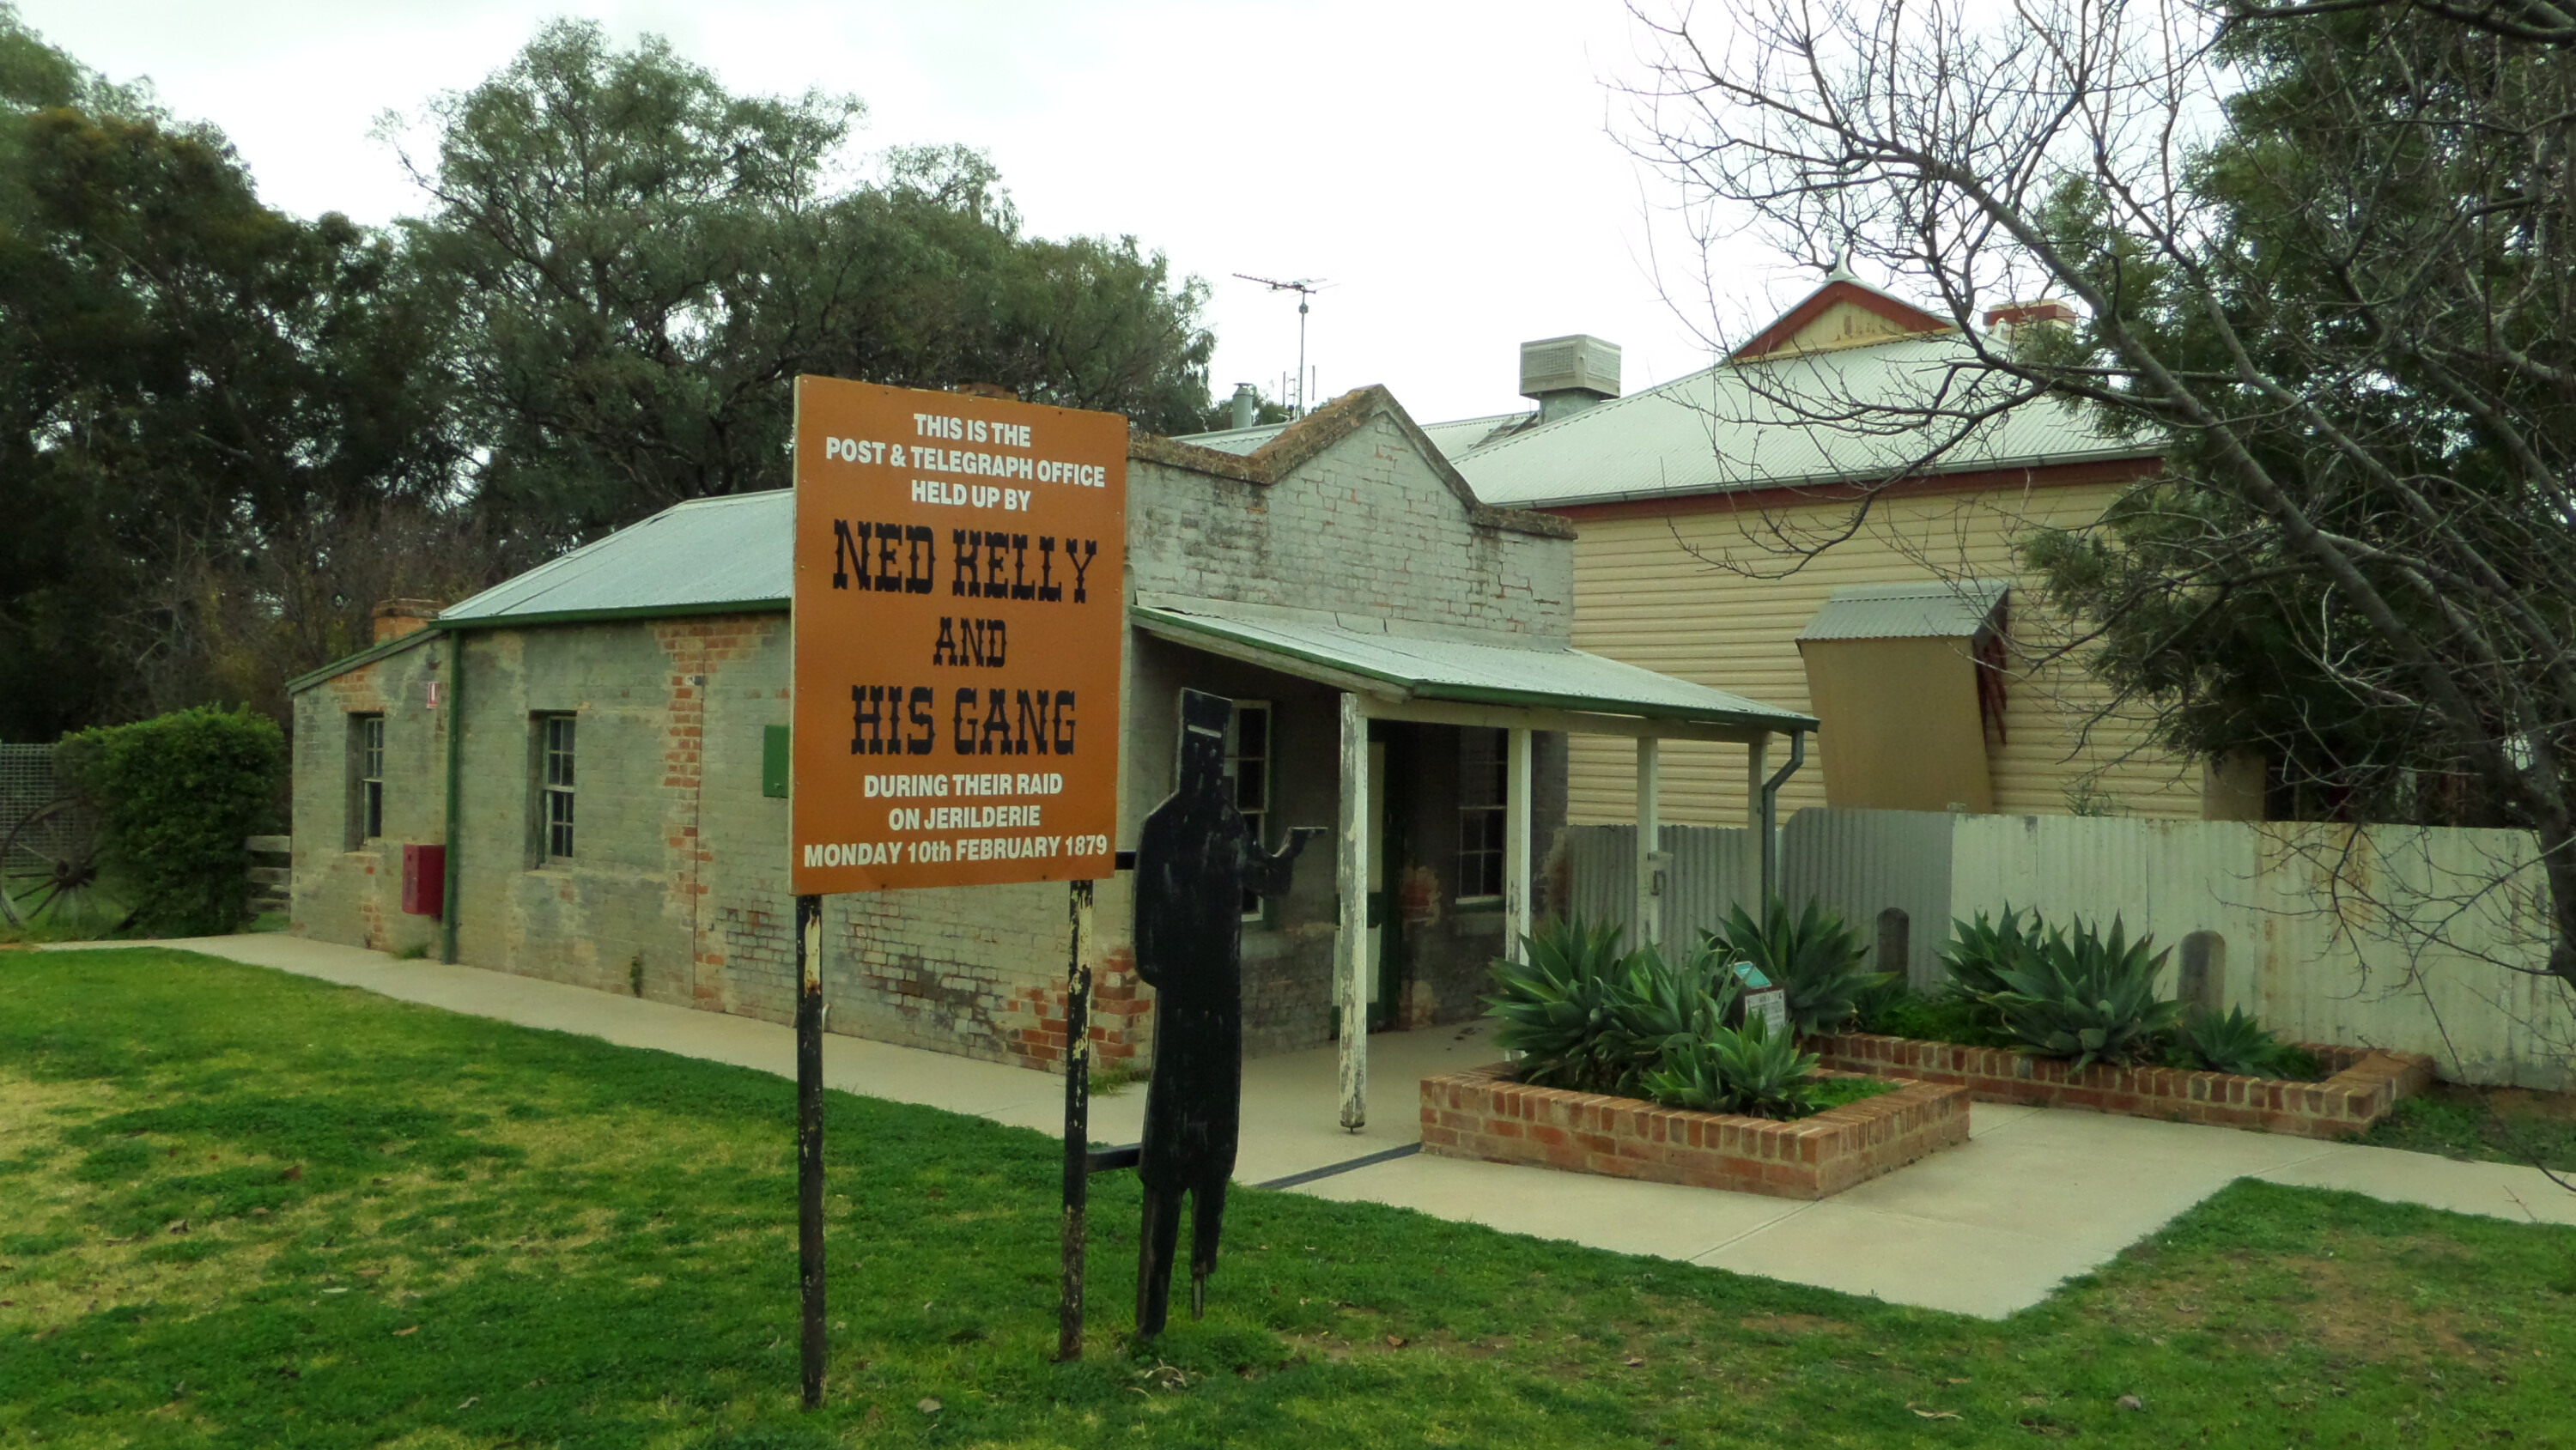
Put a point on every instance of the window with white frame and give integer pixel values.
(1247, 764)
(1483, 757)
(554, 786)
(366, 779)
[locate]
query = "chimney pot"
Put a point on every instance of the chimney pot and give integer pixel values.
(398, 617)
(2015, 314)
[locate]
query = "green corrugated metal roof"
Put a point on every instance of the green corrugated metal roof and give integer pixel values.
(1531, 675)
(1863, 414)
(706, 556)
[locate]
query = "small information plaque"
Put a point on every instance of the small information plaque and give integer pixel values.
(1763, 1002)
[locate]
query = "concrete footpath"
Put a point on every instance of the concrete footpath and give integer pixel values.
(1988, 1228)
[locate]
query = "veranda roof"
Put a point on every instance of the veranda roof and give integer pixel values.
(1408, 667)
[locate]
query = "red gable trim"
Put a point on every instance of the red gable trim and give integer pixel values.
(1771, 339)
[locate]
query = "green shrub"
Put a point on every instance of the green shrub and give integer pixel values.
(2237, 1043)
(2088, 999)
(1747, 1071)
(1946, 1017)
(1835, 1092)
(178, 794)
(1980, 951)
(1886, 994)
(1587, 1016)
(1814, 958)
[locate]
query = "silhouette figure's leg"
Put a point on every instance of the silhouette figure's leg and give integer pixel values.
(1159, 1235)
(1207, 1207)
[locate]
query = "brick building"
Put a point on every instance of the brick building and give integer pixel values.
(599, 743)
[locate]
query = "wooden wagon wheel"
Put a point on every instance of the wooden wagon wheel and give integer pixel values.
(49, 866)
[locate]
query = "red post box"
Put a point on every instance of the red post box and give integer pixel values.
(424, 891)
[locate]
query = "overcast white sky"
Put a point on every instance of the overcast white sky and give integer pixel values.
(1449, 168)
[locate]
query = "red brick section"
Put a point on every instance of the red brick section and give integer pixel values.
(2367, 1082)
(1117, 1014)
(698, 650)
(1485, 1114)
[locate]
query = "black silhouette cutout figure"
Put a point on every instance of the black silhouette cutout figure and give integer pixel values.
(1194, 860)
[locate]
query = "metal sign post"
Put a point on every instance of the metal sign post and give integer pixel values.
(809, 1138)
(959, 627)
(1077, 1126)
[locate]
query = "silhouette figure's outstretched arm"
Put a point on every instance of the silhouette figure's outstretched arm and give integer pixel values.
(1267, 875)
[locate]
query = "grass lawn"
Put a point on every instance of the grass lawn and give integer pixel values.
(241, 1208)
(2494, 1125)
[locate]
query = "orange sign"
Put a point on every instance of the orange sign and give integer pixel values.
(960, 607)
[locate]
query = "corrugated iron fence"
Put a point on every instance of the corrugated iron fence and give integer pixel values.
(2395, 936)
(1703, 865)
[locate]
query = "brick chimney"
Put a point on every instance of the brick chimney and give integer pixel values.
(2018, 314)
(398, 617)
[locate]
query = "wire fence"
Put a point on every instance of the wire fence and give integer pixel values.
(27, 781)
(27, 784)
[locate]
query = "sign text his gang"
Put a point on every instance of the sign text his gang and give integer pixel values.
(960, 606)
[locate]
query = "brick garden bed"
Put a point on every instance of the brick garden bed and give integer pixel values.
(2365, 1083)
(1485, 1114)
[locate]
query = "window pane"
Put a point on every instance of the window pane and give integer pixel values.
(1483, 762)
(559, 823)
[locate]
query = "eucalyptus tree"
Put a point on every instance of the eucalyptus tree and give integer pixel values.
(2324, 252)
(195, 387)
(644, 260)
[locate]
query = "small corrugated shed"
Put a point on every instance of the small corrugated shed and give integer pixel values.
(1930, 609)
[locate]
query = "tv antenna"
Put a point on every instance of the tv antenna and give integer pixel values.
(1304, 287)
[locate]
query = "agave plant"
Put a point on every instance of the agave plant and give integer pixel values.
(1814, 957)
(2085, 998)
(1559, 1005)
(1981, 950)
(1587, 1016)
(1730, 1071)
(1658, 1005)
(2234, 1043)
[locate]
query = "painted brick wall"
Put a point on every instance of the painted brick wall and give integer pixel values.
(677, 888)
(347, 889)
(1367, 529)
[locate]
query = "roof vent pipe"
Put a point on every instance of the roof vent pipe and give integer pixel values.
(1247, 405)
(1565, 375)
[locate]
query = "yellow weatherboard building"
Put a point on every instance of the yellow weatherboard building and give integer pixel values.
(1829, 519)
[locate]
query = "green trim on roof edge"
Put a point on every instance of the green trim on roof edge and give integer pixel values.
(1145, 614)
(1784, 722)
(638, 611)
(348, 662)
